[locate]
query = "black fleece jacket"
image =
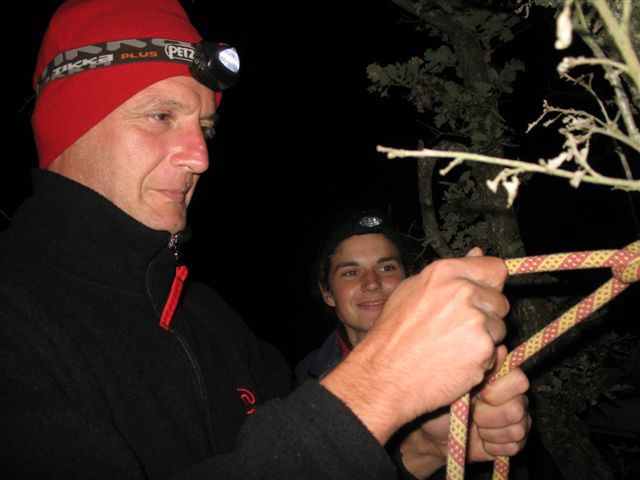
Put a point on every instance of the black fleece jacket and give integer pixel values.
(93, 387)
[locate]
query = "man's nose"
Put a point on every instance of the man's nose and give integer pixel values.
(371, 281)
(191, 151)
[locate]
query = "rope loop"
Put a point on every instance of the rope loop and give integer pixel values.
(625, 266)
(626, 263)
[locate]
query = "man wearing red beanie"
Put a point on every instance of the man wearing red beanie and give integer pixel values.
(114, 365)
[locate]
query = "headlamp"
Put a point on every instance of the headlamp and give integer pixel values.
(215, 65)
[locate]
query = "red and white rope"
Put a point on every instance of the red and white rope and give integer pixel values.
(625, 265)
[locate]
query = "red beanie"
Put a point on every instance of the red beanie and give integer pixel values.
(68, 107)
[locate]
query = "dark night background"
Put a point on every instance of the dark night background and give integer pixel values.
(296, 144)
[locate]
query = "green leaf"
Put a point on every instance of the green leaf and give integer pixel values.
(482, 88)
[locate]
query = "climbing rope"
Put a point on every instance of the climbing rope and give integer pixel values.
(625, 265)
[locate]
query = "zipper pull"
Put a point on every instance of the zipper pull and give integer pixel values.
(174, 297)
(174, 245)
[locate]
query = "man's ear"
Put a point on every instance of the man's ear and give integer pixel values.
(327, 296)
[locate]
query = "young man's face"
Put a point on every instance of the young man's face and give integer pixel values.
(364, 270)
(147, 155)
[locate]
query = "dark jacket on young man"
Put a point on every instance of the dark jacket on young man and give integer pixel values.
(94, 387)
(322, 360)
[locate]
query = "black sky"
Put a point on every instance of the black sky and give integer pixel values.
(296, 143)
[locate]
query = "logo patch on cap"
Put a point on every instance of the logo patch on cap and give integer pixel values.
(370, 221)
(179, 52)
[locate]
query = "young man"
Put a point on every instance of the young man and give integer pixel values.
(361, 263)
(115, 366)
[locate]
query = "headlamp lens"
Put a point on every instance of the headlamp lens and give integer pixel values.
(216, 65)
(229, 58)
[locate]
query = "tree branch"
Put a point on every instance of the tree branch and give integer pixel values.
(570, 62)
(459, 157)
(620, 37)
(622, 101)
(430, 226)
(430, 18)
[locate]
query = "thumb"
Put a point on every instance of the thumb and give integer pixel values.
(500, 354)
(475, 252)
(499, 275)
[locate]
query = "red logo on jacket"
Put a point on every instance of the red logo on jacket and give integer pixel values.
(248, 398)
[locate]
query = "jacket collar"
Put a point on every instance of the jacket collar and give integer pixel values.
(82, 233)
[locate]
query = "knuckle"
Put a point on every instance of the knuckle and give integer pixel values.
(510, 449)
(465, 289)
(440, 268)
(517, 433)
(521, 383)
(522, 433)
(479, 376)
(496, 449)
(517, 412)
(485, 346)
(503, 449)
(500, 330)
(506, 306)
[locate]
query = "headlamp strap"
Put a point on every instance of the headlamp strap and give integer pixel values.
(118, 52)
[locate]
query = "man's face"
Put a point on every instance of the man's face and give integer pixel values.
(364, 270)
(147, 155)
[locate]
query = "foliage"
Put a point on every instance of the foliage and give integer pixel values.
(594, 381)
(457, 103)
(434, 81)
(460, 227)
(458, 100)
(588, 378)
(609, 30)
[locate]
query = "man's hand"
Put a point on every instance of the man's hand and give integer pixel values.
(500, 418)
(433, 342)
(499, 426)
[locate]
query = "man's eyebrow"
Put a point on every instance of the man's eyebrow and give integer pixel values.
(352, 263)
(213, 118)
(346, 264)
(156, 101)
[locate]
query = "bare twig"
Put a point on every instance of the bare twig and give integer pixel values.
(569, 62)
(612, 76)
(460, 157)
(620, 36)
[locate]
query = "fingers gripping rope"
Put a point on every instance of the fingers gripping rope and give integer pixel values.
(625, 266)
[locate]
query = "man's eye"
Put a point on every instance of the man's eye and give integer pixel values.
(209, 132)
(388, 268)
(349, 273)
(161, 117)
